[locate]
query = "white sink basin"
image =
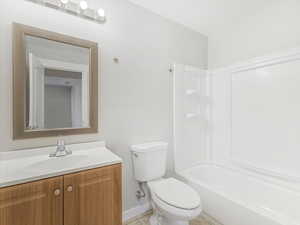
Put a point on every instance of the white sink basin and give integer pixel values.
(57, 162)
(18, 167)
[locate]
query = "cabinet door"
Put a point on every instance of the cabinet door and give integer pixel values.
(93, 197)
(36, 203)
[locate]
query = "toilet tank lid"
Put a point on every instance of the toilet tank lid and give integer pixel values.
(151, 146)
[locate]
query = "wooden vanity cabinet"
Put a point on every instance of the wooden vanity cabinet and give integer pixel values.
(91, 197)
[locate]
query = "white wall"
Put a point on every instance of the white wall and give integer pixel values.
(135, 94)
(273, 27)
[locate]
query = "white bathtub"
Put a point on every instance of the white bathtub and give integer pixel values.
(235, 198)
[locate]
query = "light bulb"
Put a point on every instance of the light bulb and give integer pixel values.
(64, 1)
(101, 12)
(83, 5)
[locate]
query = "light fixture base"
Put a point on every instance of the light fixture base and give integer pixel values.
(73, 8)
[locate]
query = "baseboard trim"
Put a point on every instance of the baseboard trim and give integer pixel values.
(210, 219)
(136, 212)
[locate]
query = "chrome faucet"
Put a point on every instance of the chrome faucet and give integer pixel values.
(61, 150)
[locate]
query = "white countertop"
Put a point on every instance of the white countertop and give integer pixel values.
(17, 167)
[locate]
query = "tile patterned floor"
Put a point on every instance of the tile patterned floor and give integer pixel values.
(144, 220)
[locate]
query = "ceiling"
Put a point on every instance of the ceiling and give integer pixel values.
(204, 16)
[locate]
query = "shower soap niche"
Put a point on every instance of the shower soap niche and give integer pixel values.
(191, 92)
(191, 115)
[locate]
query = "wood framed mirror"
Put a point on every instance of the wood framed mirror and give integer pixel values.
(55, 84)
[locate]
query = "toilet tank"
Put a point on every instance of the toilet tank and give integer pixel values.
(149, 160)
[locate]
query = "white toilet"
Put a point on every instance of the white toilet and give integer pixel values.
(174, 202)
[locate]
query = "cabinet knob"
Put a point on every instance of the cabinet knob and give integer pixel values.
(57, 192)
(70, 188)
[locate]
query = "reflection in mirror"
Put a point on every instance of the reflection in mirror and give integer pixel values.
(57, 85)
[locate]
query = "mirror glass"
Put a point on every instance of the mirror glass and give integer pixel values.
(57, 85)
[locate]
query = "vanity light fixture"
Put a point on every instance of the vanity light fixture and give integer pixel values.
(64, 1)
(73, 7)
(101, 13)
(83, 5)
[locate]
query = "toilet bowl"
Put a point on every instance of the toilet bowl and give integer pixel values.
(173, 202)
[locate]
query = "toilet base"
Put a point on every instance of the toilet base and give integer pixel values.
(161, 220)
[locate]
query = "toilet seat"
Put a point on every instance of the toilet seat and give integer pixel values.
(186, 205)
(175, 193)
(175, 213)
